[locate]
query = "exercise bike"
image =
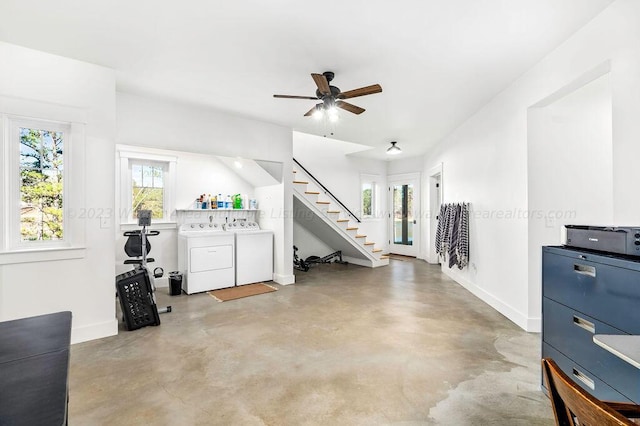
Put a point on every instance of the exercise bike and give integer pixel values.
(136, 288)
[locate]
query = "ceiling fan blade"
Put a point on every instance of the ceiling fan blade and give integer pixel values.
(310, 112)
(322, 83)
(295, 97)
(368, 90)
(350, 107)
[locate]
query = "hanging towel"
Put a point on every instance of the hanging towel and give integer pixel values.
(463, 237)
(452, 234)
(440, 228)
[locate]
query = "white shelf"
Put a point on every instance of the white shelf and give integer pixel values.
(216, 210)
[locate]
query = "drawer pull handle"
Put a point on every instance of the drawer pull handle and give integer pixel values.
(585, 270)
(583, 323)
(584, 379)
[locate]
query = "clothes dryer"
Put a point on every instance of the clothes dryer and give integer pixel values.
(254, 252)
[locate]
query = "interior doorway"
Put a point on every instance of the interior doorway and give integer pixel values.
(434, 196)
(404, 208)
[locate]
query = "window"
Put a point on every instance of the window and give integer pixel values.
(41, 182)
(42, 164)
(38, 154)
(146, 183)
(368, 196)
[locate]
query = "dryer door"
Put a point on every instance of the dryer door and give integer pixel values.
(211, 258)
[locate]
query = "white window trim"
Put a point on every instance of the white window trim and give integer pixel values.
(123, 193)
(375, 196)
(73, 244)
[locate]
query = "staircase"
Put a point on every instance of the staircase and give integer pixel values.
(332, 225)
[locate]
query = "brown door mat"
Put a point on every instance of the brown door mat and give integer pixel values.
(241, 291)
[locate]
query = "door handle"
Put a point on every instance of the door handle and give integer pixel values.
(414, 221)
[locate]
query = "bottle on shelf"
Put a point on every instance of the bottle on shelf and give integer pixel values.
(214, 202)
(237, 201)
(227, 202)
(220, 202)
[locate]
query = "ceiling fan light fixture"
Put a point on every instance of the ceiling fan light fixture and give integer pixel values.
(332, 113)
(394, 149)
(318, 113)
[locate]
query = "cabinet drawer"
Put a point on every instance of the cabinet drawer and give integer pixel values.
(609, 293)
(583, 377)
(571, 333)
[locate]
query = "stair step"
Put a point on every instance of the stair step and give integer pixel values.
(369, 244)
(378, 251)
(352, 229)
(383, 256)
(361, 236)
(323, 202)
(333, 211)
(301, 182)
(311, 192)
(342, 220)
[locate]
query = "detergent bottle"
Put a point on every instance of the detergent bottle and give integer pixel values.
(237, 202)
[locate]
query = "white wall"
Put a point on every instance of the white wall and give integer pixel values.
(570, 169)
(83, 286)
(307, 242)
(485, 159)
(172, 126)
(398, 166)
(328, 160)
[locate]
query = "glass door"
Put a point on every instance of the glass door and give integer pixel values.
(404, 233)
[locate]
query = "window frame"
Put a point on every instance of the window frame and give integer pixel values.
(36, 114)
(127, 157)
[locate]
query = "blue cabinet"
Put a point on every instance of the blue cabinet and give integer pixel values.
(585, 293)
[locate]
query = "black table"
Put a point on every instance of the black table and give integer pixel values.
(34, 369)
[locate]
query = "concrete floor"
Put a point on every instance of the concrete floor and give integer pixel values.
(346, 345)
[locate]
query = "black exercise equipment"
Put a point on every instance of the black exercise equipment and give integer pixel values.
(136, 288)
(335, 257)
(304, 265)
(298, 263)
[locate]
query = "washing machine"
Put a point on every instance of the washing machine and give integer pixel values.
(254, 252)
(206, 257)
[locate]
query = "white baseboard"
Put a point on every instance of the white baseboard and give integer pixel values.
(94, 331)
(532, 325)
(284, 279)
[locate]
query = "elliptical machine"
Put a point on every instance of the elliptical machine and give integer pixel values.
(136, 288)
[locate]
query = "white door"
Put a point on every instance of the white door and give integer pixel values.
(404, 203)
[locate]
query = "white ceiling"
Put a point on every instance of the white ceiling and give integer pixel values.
(437, 61)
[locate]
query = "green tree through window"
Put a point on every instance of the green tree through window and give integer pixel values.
(41, 184)
(366, 201)
(148, 189)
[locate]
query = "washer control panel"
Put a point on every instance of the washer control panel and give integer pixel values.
(242, 225)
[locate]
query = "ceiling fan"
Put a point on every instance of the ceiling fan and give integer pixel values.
(331, 96)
